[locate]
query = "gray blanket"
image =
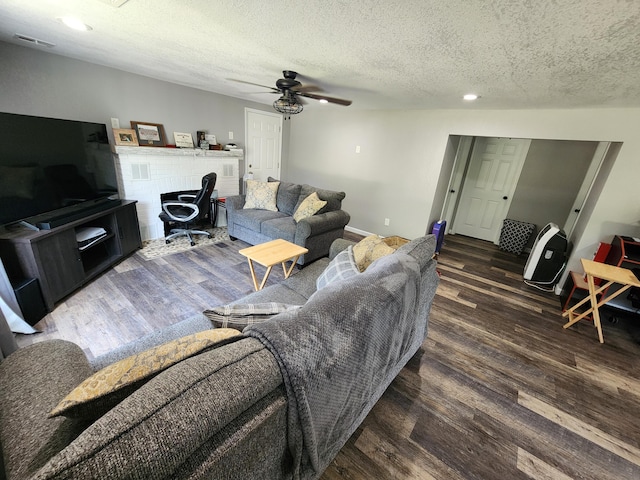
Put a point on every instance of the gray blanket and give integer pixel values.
(339, 352)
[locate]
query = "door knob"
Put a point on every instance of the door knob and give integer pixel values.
(504, 198)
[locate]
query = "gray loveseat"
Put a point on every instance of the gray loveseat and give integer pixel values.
(315, 233)
(279, 403)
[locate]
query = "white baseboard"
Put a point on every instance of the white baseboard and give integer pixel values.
(357, 231)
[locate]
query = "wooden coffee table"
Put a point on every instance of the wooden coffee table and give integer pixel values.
(270, 254)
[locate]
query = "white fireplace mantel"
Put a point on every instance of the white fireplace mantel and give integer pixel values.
(146, 172)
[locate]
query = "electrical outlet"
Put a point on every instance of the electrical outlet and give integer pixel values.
(230, 135)
(386, 222)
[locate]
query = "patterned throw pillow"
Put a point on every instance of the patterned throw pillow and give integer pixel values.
(342, 267)
(105, 389)
(240, 315)
(309, 207)
(369, 249)
(261, 195)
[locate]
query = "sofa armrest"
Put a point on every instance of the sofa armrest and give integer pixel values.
(235, 202)
(318, 224)
(33, 380)
(338, 246)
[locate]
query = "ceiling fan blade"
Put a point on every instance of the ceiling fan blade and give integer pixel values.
(338, 101)
(306, 89)
(254, 84)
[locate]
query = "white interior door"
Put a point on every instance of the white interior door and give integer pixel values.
(490, 182)
(264, 144)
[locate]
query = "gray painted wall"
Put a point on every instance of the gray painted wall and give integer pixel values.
(35, 82)
(550, 180)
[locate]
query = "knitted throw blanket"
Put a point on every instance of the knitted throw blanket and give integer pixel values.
(339, 352)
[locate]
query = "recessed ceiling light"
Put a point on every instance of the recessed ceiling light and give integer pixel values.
(471, 96)
(75, 23)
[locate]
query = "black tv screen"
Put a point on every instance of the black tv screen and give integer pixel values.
(52, 166)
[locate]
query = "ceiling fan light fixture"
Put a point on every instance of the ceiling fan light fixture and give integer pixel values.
(287, 105)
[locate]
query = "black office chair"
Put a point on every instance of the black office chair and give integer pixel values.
(182, 211)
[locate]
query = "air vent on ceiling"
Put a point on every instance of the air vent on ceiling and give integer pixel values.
(33, 41)
(114, 3)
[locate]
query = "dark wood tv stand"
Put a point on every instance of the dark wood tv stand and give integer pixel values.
(54, 258)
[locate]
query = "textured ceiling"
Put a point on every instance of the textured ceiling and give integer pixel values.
(410, 54)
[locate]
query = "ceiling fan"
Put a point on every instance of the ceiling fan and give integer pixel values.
(290, 91)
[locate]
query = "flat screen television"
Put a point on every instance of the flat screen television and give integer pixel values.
(52, 170)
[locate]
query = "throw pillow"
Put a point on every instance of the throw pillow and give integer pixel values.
(369, 249)
(241, 315)
(261, 195)
(309, 207)
(342, 267)
(333, 199)
(288, 195)
(105, 389)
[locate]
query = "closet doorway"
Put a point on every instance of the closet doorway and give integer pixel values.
(554, 182)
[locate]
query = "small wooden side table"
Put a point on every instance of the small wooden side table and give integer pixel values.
(611, 275)
(271, 253)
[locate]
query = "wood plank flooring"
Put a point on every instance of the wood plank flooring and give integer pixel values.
(499, 389)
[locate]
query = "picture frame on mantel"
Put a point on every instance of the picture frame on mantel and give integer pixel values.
(150, 134)
(183, 140)
(125, 137)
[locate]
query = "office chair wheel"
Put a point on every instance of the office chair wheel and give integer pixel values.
(167, 242)
(193, 244)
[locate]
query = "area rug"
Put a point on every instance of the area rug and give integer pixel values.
(158, 248)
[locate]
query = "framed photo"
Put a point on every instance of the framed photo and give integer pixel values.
(201, 137)
(125, 136)
(183, 140)
(150, 134)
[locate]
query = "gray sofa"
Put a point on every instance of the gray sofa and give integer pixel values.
(315, 233)
(278, 403)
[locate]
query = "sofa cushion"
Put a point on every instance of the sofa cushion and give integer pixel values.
(333, 199)
(281, 227)
(342, 267)
(261, 195)
(238, 316)
(108, 387)
(309, 207)
(253, 219)
(288, 195)
(369, 249)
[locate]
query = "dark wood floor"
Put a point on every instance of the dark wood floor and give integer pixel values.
(499, 389)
